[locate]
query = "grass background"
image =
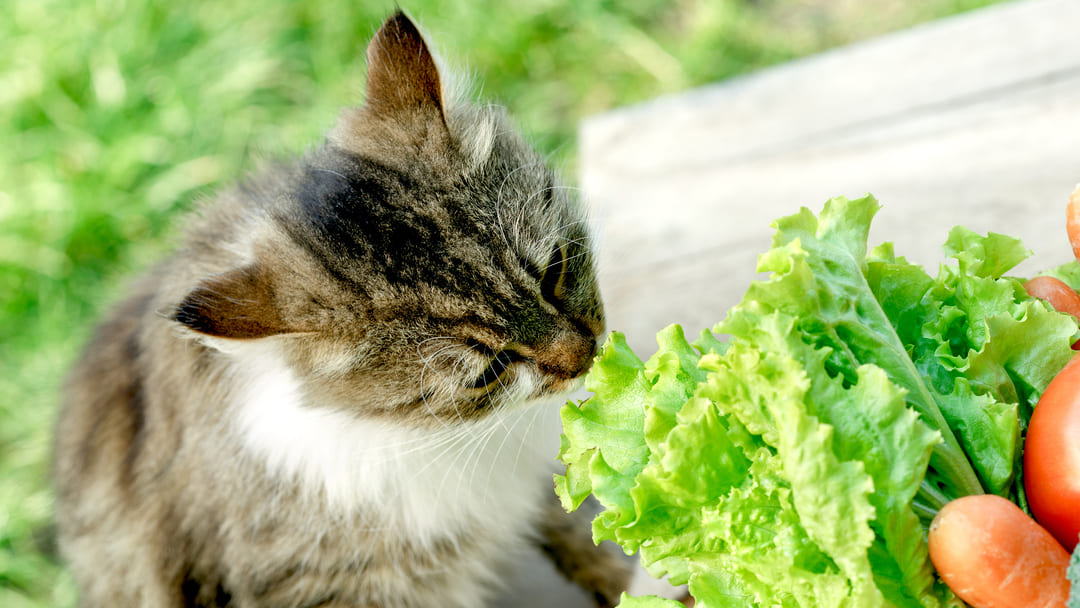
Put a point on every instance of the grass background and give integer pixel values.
(116, 114)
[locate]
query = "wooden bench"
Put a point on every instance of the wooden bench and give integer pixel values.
(972, 120)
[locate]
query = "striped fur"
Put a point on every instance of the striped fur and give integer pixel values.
(339, 391)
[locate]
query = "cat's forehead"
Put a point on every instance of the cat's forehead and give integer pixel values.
(375, 236)
(484, 172)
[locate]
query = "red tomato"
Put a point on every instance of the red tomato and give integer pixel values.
(1052, 457)
(1056, 293)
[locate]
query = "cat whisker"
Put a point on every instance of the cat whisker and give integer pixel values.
(504, 389)
(494, 456)
(424, 397)
(498, 453)
(475, 449)
(460, 361)
(558, 231)
(499, 202)
(427, 365)
(444, 438)
(465, 439)
(439, 438)
(554, 234)
(429, 359)
(426, 340)
(586, 219)
(512, 431)
(520, 218)
(583, 242)
(420, 345)
(330, 171)
(569, 259)
(549, 157)
(471, 445)
(538, 409)
(447, 442)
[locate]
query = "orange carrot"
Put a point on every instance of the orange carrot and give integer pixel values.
(1072, 221)
(992, 555)
(1059, 295)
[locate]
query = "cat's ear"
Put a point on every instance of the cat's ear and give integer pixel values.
(238, 304)
(402, 77)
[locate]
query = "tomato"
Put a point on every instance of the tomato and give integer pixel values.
(1056, 293)
(1052, 457)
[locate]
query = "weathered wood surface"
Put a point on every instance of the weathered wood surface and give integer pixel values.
(973, 120)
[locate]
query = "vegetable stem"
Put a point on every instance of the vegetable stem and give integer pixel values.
(936, 498)
(924, 511)
(948, 458)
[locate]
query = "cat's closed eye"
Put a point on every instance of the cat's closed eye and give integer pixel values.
(500, 364)
(551, 280)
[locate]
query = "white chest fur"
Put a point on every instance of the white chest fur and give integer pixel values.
(427, 482)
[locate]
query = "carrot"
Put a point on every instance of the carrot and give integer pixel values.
(1072, 221)
(1056, 293)
(992, 555)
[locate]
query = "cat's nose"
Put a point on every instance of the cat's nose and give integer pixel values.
(568, 356)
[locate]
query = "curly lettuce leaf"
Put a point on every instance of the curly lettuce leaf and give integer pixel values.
(1068, 272)
(798, 462)
(819, 276)
(648, 601)
(603, 444)
(751, 495)
(986, 349)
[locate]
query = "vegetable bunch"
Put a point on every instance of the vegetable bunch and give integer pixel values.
(799, 460)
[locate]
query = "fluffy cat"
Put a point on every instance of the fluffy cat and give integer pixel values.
(326, 396)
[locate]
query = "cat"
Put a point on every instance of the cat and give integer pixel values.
(327, 396)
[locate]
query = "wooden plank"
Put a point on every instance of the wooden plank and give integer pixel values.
(973, 120)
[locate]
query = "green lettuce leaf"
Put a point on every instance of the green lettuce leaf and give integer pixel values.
(648, 601)
(819, 277)
(794, 455)
(970, 333)
(1068, 272)
(603, 444)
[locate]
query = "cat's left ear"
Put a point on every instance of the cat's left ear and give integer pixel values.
(238, 304)
(402, 77)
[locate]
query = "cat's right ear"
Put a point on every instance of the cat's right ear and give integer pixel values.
(402, 78)
(238, 304)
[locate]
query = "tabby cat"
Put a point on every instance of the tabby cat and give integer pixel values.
(328, 395)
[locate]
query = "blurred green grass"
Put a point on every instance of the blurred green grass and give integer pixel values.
(116, 114)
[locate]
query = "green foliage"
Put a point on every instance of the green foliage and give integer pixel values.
(799, 463)
(117, 114)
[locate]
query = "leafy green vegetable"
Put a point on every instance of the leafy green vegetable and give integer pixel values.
(1068, 272)
(627, 601)
(798, 462)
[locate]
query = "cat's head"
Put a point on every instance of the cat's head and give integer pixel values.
(422, 265)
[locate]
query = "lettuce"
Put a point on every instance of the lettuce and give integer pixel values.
(798, 460)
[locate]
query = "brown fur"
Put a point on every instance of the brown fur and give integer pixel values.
(395, 278)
